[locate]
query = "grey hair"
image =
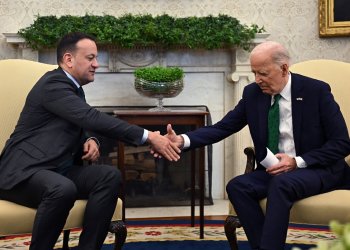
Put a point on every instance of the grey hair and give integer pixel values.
(281, 56)
(278, 53)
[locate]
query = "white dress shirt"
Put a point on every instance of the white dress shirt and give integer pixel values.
(286, 139)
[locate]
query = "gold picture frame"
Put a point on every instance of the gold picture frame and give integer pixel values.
(333, 19)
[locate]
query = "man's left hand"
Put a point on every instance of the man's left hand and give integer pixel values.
(91, 151)
(285, 164)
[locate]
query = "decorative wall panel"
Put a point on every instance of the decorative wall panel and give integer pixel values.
(293, 23)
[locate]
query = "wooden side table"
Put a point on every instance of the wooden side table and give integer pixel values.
(192, 117)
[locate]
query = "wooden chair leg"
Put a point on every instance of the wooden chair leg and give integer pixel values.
(231, 224)
(65, 240)
(120, 232)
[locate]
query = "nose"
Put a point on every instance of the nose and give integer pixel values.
(257, 79)
(95, 63)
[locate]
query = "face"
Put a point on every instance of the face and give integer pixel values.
(82, 63)
(270, 77)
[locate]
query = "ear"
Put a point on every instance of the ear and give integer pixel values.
(285, 69)
(68, 59)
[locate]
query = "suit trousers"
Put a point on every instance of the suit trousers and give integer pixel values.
(53, 195)
(269, 231)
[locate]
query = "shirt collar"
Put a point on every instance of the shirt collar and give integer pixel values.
(286, 91)
(72, 78)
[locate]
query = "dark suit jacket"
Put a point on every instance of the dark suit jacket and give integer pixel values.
(320, 134)
(51, 127)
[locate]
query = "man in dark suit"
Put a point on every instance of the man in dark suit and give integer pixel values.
(40, 165)
(311, 142)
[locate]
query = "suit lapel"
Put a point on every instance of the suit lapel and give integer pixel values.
(264, 104)
(297, 98)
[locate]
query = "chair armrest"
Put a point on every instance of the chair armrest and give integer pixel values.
(347, 159)
(250, 165)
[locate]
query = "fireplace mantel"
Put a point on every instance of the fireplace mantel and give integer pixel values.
(214, 78)
(146, 56)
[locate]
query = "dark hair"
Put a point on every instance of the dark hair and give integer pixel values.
(68, 43)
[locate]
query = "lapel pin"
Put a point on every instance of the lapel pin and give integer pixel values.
(299, 98)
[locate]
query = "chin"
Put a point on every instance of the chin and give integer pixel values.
(266, 92)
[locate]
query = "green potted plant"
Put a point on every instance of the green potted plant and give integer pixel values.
(159, 82)
(129, 31)
(342, 242)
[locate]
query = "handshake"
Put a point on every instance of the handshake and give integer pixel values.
(167, 146)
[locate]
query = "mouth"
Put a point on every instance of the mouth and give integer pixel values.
(264, 89)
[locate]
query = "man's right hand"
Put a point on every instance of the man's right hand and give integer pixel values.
(172, 136)
(162, 146)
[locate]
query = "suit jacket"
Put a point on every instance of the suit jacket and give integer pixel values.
(51, 129)
(320, 133)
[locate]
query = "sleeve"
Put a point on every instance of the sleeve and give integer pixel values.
(59, 97)
(327, 135)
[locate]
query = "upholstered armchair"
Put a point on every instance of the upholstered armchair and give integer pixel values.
(322, 208)
(17, 78)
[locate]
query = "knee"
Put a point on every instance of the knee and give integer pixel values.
(233, 184)
(111, 175)
(65, 193)
(233, 187)
(230, 186)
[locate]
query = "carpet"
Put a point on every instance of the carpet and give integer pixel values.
(177, 234)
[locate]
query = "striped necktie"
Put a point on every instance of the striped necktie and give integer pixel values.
(273, 125)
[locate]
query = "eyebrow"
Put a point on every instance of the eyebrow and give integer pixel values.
(92, 55)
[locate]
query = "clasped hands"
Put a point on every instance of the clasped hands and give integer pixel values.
(167, 146)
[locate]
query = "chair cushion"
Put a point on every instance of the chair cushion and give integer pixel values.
(322, 208)
(17, 219)
(319, 209)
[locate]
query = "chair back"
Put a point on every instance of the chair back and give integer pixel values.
(17, 78)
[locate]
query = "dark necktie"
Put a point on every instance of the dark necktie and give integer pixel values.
(81, 93)
(273, 125)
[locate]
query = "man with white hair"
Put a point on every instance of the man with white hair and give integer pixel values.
(297, 118)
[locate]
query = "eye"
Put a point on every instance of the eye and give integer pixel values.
(91, 57)
(260, 73)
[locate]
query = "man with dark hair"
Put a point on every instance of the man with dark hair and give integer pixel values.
(41, 164)
(297, 118)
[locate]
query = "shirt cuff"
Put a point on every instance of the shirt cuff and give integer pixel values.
(95, 139)
(300, 162)
(187, 142)
(145, 136)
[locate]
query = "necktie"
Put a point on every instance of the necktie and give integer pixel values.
(273, 125)
(81, 93)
